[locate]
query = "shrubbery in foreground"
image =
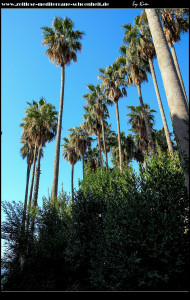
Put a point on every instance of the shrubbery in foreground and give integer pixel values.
(122, 232)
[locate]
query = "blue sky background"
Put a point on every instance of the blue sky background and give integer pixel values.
(27, 74)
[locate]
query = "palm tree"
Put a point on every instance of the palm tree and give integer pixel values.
(63, 43)
(136, 119)
(81, 140)
(136, 74)
(174, 92)
(173, 25)
(97, 101)
(92, 158)
(71, 155)
(114, 84)
(140, 150)
(93, 126)
(160, 139)
(40, 124)
(127, 146)
(141, 37)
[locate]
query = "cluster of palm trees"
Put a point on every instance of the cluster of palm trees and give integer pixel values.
(131, 68)
(39, 127)
(137, 53)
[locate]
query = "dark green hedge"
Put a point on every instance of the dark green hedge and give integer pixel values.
(123, 232)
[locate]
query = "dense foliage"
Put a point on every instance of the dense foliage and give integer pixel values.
(123, 232)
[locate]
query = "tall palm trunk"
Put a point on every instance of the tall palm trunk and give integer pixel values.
(179, 73)
(58, 137)
(119, 136)
(168, 139)
(26, 195)
(144, 150)
(36, 187)
(104, 142)
(72, 176)
(100, 152)
(83, 165)
(148, 130)
(31, 188)
(37, 178)
(173, 89)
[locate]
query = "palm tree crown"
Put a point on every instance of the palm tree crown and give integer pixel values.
(97, 100)
(174, 23)
(136, 119)
(62, 40)
(40, 122)
(138, 127)
(113, 82)
(80, 139)
(69, 152)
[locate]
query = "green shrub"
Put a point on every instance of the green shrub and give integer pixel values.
(132, 231)
(123, 232)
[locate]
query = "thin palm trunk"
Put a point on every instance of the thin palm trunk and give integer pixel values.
(168, 139)
(119, 136)
(37, 179)
(179, 73)
(72, 177)
(31, 188)
(58, 137)
(83, 165)
(173, 89)
(148, 130)
(36, 187)
(26, 195)
(144, 150)
(99, 148)
(104, 143)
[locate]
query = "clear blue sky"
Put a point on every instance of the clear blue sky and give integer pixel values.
(27, 74)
